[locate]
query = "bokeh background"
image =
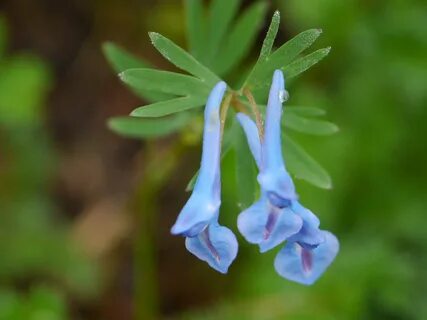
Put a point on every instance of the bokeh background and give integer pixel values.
(85, 214)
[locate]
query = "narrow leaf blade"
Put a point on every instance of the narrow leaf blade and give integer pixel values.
(304, 111)
(196, 28)
(139, 128)
(164, 81)
(310, 126)
(120, 59)
(270, 37)
(304, 63)
(163, 108)
(280, 58)
(221, 15)
(303, 166)
(182, 59)
(240, 39)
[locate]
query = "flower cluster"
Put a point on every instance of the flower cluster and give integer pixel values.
(275, 218)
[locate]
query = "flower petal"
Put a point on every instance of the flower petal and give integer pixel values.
(272, 151)
(267, 225)
(303, 265)
(197, 213)
(252, 221)
(209, 167)
(310, 236)
(205, 200)
(252, 135)
(273, 176)
(216, 245)
(281, 224)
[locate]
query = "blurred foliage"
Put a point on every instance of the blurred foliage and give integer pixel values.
(35, 245)
(41, 303)
(375, 86)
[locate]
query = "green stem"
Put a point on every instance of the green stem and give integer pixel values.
(256, 112)
(159, 167)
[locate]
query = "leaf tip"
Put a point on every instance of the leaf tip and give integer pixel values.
(135, 112)
(276, 15)
(153, 36)
(335, 128)
(122, 76)
(106, 45)
(328, 185)
(112, 124)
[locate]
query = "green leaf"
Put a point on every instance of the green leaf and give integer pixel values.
(120, 59)
(303, 166)
(311, 126)
(164, 81)
(270, 37)
(263, 71)
(304, 111)
(304, 63)
(148, 128)
(221, 15)
(182, 59)
(240, 39)
(245, 172)
(163, 108)
(227, 143)
(196, 28)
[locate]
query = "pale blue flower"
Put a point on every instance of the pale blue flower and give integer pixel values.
(271, 220)
(198, 220)
(304, 265)
(278, 216)
(273, 177)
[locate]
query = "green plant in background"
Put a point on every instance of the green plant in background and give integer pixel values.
(215, 53)
(219, 40)
(36, 249)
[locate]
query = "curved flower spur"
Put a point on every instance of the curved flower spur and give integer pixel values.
(278, 216)
(198, 220)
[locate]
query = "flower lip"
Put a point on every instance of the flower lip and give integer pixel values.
(216, 245)
(277, 200)
(192, 232)
(304, 265)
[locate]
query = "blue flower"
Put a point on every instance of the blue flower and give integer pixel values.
(198, 220)
(271, 220)
(305, 265)
(273, 177)
(278, 216)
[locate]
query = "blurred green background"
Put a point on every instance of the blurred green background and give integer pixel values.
(85, 214)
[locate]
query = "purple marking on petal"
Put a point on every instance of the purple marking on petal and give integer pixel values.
(306, 260)
(204, 238)
(271, 222)
(305, 266)
(215, 245)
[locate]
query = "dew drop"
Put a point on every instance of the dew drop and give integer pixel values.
(283, 96)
